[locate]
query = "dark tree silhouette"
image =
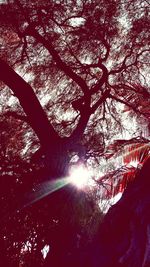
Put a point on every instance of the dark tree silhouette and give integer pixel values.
(123, 237)
(74, 70)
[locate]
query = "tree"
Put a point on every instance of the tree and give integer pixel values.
(87, 63)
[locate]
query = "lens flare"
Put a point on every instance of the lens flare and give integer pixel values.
(43, 190)
(79, 176)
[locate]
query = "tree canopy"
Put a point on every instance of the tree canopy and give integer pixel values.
(74, 91)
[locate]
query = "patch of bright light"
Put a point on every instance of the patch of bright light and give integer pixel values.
(79, 176)
(116, 198)
(106, 204)
(45, 251)
(26, 247)
(77, 21)
(134, 163)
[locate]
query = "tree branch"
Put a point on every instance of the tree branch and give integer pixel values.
(125, 103)
(123, 64)
(79, 130)
(30, 104)
(60, 63)
(102, 80)
(102, 99)
(84, 118)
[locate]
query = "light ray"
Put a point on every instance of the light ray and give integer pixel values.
(43, 190)
(38, 193)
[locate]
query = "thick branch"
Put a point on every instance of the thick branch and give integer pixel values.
(79, 130)
(60, 63)
(30, 104)
(102, 80)
(87, 111)
(85, 115)
(86, 100)
(102, 99)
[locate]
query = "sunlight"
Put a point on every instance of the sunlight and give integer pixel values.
(79, 176)
(116, 198)
(134, 163)
(45, 251)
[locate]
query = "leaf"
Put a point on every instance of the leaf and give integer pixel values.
(137, 152)
(131, 154)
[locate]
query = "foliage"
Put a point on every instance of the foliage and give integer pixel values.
(79, 72)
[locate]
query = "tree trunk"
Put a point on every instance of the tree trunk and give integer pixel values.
(123, 239)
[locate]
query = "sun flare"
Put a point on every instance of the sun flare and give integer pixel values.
(79, 176)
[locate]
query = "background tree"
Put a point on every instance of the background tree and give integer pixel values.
(77, 69)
